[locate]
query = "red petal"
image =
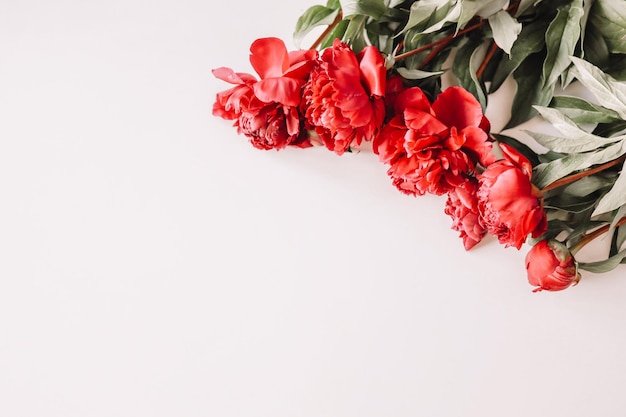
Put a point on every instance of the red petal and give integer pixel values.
(517, 159)
(232, 77)
(302, 55)
(457, 107)
(301, 70)
(269, 57)
(477, 141)
(281, 90)
(412, 98)
(373, 70)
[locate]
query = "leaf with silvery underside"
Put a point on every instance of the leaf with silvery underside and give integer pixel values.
(571, 206)
(394, 3)
(550, 156)
(531, 91)
(525, 5)
(313, 17)
(431, 15)
(465, 65)
(581, 111)
(609, 92)
(579, 231)
(604, 266)
(609, 17)
(371, 8)
(531, 40)
(574, 140)
(505, 30)
(587, 185)
(416, 74)
(561, 38)
(547, 173)
(482, 8)
(615, 198)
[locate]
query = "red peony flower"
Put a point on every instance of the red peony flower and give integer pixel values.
(462, 206)
(343, 99)
(266, 110)
(551, 266)
(434, 148)
(511, 206)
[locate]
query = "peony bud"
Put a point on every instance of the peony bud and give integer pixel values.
(551, 266)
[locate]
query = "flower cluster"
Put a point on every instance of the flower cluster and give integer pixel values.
(341, 93)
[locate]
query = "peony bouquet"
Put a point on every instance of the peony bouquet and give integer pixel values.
(374, 76)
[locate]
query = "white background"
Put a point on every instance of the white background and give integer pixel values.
(153, 263)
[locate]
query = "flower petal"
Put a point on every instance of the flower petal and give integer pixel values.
(412, 98)
(517, 159)
(373, 70)
(269, 57)
(232, 77)
(457, 107)
(280, 89)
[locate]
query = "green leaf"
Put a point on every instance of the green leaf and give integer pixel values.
(313, 17)
(615, 198)
(431, 15)
(337, 33)
(549, 172)
(621, 212)
(603, 266)
(609, 92)
(594, 48)
(466, 63)
(561, 38)
(530, 41)
(587, 185)
(581, 111)
(333, 4)
(571, 206)
(416, 74)
(525, 5)
(575, 140)
(518, 146)
(620, 237)
(372, 8)
(482, 8)
(609, 18)
(505, 30)
(531, 91)
(355, 33)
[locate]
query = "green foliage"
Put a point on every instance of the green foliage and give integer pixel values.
(543, 45)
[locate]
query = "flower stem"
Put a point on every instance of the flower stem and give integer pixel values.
(327, 30)
(444, 41)
(575, 177)
(592, 235)
(490, 53)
